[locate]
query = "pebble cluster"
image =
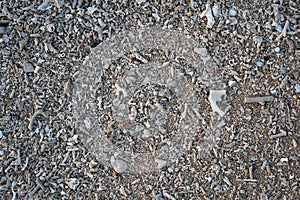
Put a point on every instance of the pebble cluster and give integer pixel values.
(252, 46)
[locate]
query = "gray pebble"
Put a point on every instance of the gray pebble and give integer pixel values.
(119, 165)
(28, 67)
(259, 64)
(232, 12)
(297, 88)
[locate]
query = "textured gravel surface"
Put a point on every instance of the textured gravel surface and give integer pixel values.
(176, 99)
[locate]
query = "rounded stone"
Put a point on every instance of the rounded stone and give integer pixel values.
(119, 165)
(232, 12)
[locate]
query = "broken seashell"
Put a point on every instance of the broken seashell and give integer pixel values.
(297, 87)
(72, 183)
(216, 10)
(120, 90)
(208, 14)
(214, 97)
(260, 100)
(132, 114)
(91, 10)
(45, 6)
(161, 163)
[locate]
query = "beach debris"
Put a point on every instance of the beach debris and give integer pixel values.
(72, 183)
(279, 135)
(214, 97)
(28, 67)
(260, 100)
(297, 87)
(91, 10)
(161, 163)
(118, 165)
(34, 116)
(216, 10)
(45, 6)
(208, 14)
(232, 12)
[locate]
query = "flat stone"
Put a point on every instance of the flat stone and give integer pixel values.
(28, 67)
(161, 163)
(297, 88)
(214, 97)
(259, 64)
(232, 12)
(119, 165)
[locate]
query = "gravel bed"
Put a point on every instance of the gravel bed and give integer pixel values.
(149, 99)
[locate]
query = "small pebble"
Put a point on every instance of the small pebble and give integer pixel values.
(277, 49)
(259, 64)
(119, 165)
(156, 16)
(44, 6)
(13, 184)
(231, 83)
(279, 28)
(161, 163)
(232, 13)
(297, 88)
(47, 129)
(1, 134)
(28, 67)
(1, 152)
(91, 10)
(4, 39)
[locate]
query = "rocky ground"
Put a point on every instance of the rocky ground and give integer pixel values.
(176, 99)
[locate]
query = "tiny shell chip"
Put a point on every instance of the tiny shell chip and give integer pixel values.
(216, 10)
(201, 51)
(161, 163)
(279, 28)
(1, 134)
(259, 64)
(4, 39)
(90, 175)
(214, 97)
(44, 6)
(91, 10)
(47, 129)
(231, 83)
